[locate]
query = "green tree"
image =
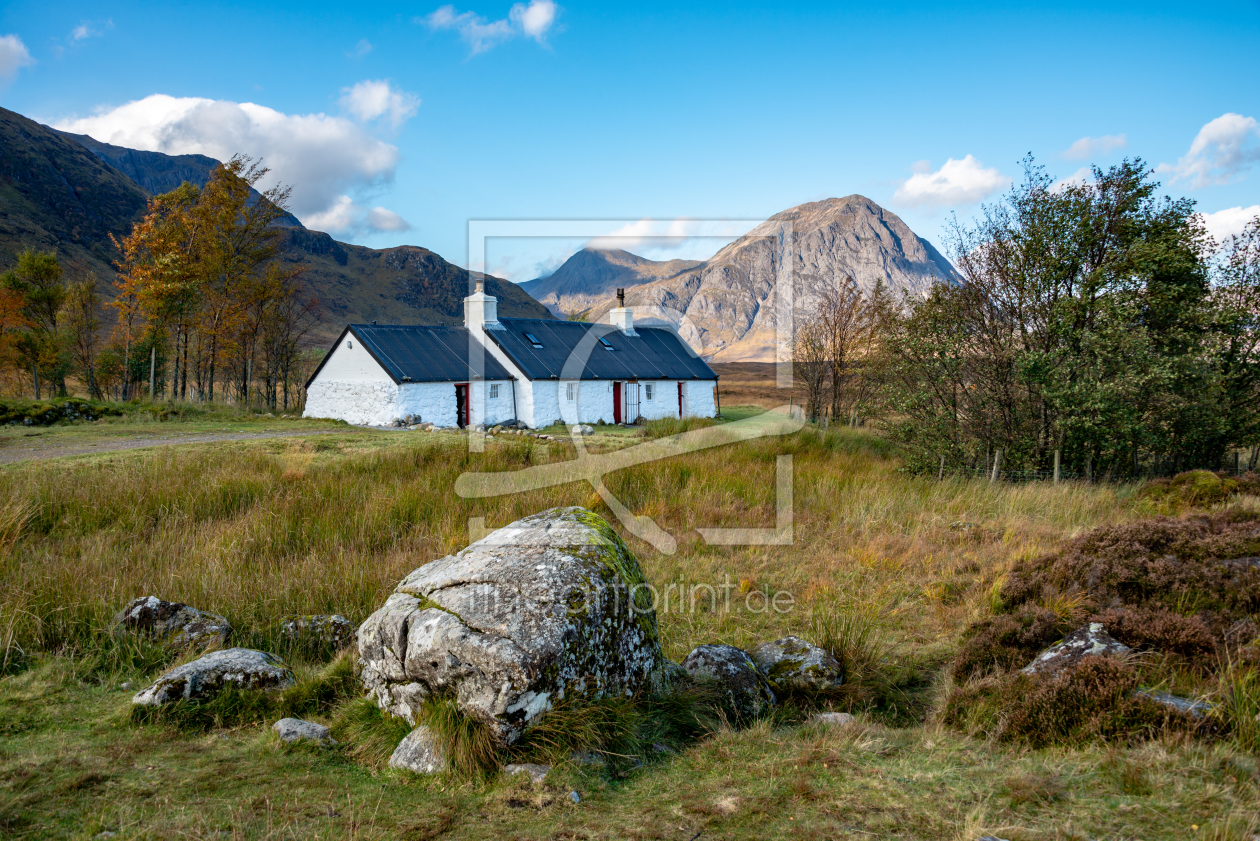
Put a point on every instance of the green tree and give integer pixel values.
(37, 281)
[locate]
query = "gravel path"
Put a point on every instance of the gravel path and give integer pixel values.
(21, 451)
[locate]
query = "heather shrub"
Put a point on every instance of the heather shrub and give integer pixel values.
(1157, 629)
(1005, 642)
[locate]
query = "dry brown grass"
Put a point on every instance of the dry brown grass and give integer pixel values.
(888, 567)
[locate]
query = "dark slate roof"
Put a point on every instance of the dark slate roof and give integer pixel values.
(656, 353)
(422, 354)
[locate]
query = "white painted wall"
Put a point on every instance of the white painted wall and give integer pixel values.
(362, 403)
(486, 409)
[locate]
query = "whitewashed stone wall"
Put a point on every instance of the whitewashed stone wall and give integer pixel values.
(362, 403)
(486, 409)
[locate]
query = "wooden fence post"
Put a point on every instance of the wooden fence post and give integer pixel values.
(1057, 454)
(997, 465)
(941, 476)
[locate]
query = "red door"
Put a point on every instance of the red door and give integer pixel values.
(461, 405)
(616, 402)
(680, 400)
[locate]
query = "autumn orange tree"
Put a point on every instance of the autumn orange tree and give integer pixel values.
(200, 267)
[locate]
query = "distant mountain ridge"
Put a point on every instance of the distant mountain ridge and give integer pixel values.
(591, 276)
(68, 193)
(726, 307)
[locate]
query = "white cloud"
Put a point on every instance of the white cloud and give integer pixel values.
(1223, 149)
(1082, 176)
(1088, 147)
(87, 29)
(956, 183)
(531, 21)
(13, 57)
(321, 157)
(380, 219)
(361, 49)
(371, 100)
(347, 215)
(1229, 222)
(671, 239)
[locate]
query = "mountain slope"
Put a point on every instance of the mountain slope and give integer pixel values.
(726, 307)
(67, 193)
(590, 276)
(55, 195)
(157, 172)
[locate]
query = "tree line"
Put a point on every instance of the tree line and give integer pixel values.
(204, 308)
(1096, 329)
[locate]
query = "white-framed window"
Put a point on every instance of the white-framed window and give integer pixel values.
(648, 390)
(570, 391)
(494, 391)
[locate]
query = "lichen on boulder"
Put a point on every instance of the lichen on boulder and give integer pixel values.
(1089, 641)
(744, 690)
(793, 665)
(317, 631)
(205, 677)
(550, 607)
(173, 623)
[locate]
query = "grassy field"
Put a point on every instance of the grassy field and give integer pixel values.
(897, 565)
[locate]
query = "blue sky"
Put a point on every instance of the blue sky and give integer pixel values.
(400, 123)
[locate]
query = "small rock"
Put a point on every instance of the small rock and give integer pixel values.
(793, 665)
(126, 684)
(832, 719)
(1093, 639)
(585, 757)
(659, 748)
(206, 676)
(419, 753)
(292, 730)
(748, 695)
(107, 833)
(573, 795)
(171, 622)
(318, 630)
(1194, 709)
(537, 773)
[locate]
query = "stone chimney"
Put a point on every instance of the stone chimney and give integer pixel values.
(481, 311)
(622, 318)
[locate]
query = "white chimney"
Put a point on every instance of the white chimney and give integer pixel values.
(481, 311)
(621, 317)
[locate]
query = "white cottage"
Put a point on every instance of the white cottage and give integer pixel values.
(538, 371)
(377, 374)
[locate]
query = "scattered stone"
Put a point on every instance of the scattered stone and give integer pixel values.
(573, 795)
(659, 748)
(318, 630)
(793, 665)
(589, 759)
(419, 753)
(174, 623)
(206, 676)
(832, 719)
(1194, 709)
(667, 677)
(535, 611)
(106, 833)
(1092, 639)
(537, 773)
(990, 838)
(748, 695)
(292, 730)
(125, 685)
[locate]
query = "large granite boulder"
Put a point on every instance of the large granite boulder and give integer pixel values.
(205, 677)
(174, 623)
(549, 607)
(793, 665)
(1090, 640)
(746, 694)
